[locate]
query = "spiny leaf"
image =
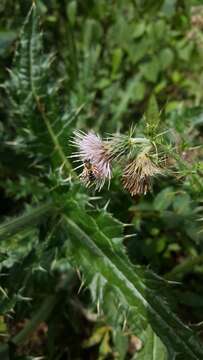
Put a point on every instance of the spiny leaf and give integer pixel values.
(28, 219)
(95, 253)
(153, 349)
(33, 95)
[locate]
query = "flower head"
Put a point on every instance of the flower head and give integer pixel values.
(138, 174)
(93, 152)
(121, 145)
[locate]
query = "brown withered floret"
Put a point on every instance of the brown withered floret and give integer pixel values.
(137, 176)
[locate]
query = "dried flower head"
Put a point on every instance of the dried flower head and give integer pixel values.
(93, 153)
(138, 174)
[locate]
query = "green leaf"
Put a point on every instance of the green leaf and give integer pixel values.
(152, 116)
(121, 344)
(153, 349)
(137, 289)
(181, 204)
(164, 199)
(28, 219)
(139, 29)
(33, 96)
(166, 58)
(150, 70)
(110, 226)
(135, 91)
(138, 51)
(169, 7)
(92, 32)
(72, 12)
(116, 60)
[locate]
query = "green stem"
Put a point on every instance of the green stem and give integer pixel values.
(33, 216)
(184, 268)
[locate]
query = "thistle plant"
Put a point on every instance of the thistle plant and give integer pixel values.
(101, 156)
(63, 254)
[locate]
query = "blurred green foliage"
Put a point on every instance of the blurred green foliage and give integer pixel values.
(104, 66)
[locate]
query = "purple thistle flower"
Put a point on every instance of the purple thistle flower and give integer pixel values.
(93, 152)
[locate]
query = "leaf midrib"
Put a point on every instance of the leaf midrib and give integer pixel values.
(111, 260)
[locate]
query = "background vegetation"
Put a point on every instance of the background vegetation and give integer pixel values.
(77, 268)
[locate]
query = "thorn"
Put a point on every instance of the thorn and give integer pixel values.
(81, 286)
(124, 324)
(78, 167)
(98, 307)
(129, 236)
(95, 198)
(106, 205)
(79, 274)
(127, 225)
(3, 292)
